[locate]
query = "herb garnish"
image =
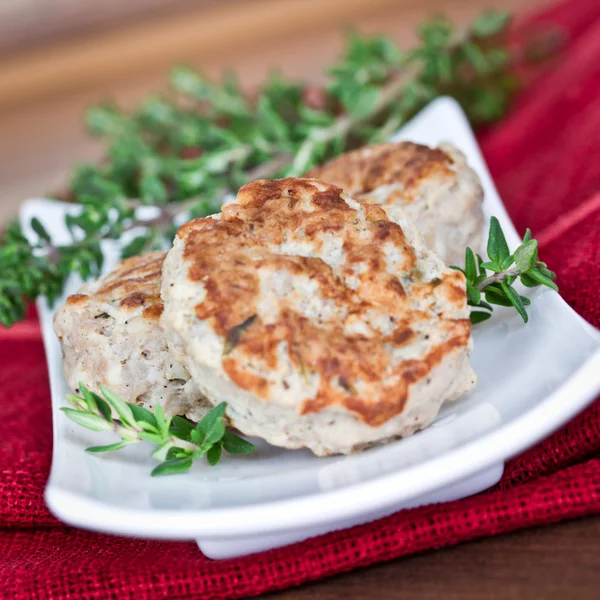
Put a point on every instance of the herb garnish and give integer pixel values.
(497, 287)
(179, 441)
(232, 339)
(183, 151)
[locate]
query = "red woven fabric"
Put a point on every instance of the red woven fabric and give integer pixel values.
(545, 158)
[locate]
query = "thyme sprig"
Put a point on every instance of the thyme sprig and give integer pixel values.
(497, 287)
(179, 442)
(183, 151)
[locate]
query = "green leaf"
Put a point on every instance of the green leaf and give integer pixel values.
(497, 247)
(109, 448)
(272, 123)
(536, 275)
(444, 69)
(208, 136)
(470, 266)
(102, 119)
(77, 402)
(211, 429)
(213, 455)
(37, 226)
(515, 300)
(103, 407)
(170, 467)
(312, 116)
(497, 59)
(490, 23)
(527, 235)
(526, 255)
(476, 57)
(484, 304)
(129, 434)
(89, 398)
(544, 271)
(161, 422)
(234, 335)
(479, 316)
(507, 262)
(136, 246)
(85, 419)
(161, 452)
(495, 296)
(142, 415)
(147, 427)
(187, 81)
(153, 438)
(120, 406)
(236, 445)
(152, 190)
(360, 101)
(528, 281)
(176, 452)
(491, 266)
(181, 428)
(473, 294)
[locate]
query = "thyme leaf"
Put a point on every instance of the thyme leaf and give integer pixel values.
(498, 289)
(183, 151)
(232, 339)
(179, 442)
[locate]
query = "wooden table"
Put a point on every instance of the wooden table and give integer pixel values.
(556, 562)
(42, 96)
(44, 91)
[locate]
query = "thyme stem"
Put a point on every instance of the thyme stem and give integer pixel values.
(498, 278)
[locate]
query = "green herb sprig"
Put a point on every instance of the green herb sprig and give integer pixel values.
(505, 268)
(179, 442)
(183, 151)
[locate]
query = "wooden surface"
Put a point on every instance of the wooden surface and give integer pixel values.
(43, 93)
(228, 27)
(557, 562)
(27, 23)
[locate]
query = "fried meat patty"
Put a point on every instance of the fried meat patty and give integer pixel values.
(110, 334)
(321, 321)
(437, 189)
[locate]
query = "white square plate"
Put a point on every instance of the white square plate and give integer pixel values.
(532, 379)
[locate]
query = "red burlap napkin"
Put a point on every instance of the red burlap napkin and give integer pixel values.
(545, 158)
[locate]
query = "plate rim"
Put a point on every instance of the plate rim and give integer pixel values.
(364, 497)
(336, 505)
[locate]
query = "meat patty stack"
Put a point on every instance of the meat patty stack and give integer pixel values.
(321, 321)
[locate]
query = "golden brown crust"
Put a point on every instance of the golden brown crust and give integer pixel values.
(228, 255)
(153, 312)
(134, 283)
(406, 164)
(75, 299)
(393, 400)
